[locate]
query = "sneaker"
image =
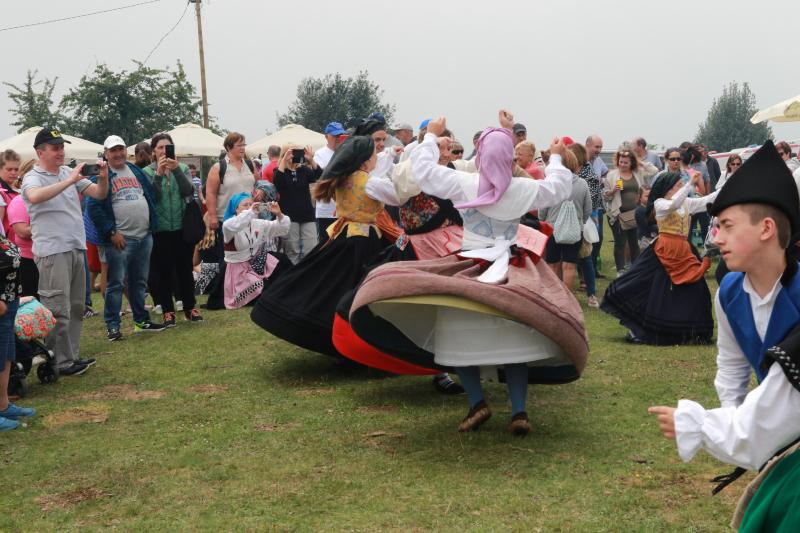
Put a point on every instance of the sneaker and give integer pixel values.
(169, 320)
(157, 310)
(89, 312)
(445, 384)
(592, 302)
(6, 424)
(75, 369)
(475, 417)
(15, 412)
(87, 362)
(178, 305)
(114, 335)
(193, 315)
(147, 326)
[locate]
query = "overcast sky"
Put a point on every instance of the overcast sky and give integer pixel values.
(617, 68)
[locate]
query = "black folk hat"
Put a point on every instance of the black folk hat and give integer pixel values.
(763, 179)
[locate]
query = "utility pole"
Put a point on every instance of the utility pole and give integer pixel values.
(203, 91)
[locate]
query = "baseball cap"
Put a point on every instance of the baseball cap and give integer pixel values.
(567, 140)
(112, 141)
(519, 128)
(334, 128)
(424, 123)
(402, 126)
(48, 135)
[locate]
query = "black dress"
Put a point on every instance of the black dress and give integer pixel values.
(655, 310)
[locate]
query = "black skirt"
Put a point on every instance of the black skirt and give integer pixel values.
(645, 301)
(299, 306)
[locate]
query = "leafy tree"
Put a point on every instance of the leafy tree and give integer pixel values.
(728, 123)
(34, 102)
(335, 98)
(134, 105)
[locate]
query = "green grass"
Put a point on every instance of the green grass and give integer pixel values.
(289, 440)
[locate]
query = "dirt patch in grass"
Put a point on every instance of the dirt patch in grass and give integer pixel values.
(372, 409)
(63, 500)
(88, 414)
(209, 388)
(383, 440)
(277, 427)
(319, 391)
(119, 392)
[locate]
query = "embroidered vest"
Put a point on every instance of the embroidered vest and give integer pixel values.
(736, 303)
(424, 213)
(675, 223)
(358, 212)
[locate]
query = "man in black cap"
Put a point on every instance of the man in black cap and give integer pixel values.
(50, 192)
(520, 133)
(758, 309)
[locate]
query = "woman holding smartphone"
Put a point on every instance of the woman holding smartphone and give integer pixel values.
(296, 171)
(171, 259)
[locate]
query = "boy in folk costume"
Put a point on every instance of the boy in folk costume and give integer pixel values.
(758, 310)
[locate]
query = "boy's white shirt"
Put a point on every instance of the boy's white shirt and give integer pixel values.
(751, 427)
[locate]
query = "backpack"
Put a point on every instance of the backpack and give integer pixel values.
(223, 166)
(567, 228)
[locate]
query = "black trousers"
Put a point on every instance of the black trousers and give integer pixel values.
(171, 271)
(29, 277)
(620, 238)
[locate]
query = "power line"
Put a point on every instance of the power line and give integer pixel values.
(78, 16)
(166, 34)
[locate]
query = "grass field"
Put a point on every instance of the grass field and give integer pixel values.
(221, 427)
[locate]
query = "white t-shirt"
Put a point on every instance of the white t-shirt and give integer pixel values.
(324, 209)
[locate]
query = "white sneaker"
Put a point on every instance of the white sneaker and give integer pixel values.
(178, 305)
(592, 302)
(157, 310)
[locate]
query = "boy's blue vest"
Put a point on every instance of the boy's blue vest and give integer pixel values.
(736, 303)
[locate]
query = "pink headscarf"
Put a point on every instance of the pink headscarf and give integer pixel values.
(495, 161)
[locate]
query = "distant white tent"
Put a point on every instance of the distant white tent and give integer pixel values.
(291, 133)
(786, 111)
(192, 140)
(79, 149)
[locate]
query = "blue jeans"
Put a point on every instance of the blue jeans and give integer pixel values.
(597, 216)
(133, 263)
(586, 269)
(88, 279)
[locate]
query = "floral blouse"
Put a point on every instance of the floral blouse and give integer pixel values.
(595, 189)
(9, 267)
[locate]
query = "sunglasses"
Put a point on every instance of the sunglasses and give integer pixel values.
(674, 158)
(735, 164)
(781, 152)
(457, 152)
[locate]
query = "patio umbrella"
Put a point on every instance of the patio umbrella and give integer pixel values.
(786, 111)
(80, 149)
(291, 133)
(192, 140)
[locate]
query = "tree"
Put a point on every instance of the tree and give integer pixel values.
(34, 107)
(728, 123)
(134, 105)
(334, 98)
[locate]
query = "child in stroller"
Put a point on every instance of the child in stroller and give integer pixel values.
(32, 325)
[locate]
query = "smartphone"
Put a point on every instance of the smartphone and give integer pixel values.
(298, 155)
(90, 170)
(169, 151)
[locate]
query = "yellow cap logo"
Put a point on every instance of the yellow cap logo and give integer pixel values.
(55, 133)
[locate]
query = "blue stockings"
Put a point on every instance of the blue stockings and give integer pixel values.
(516, 381)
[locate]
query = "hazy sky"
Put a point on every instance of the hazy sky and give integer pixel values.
(617, 68)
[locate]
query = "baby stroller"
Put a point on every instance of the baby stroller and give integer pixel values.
(32, 325)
